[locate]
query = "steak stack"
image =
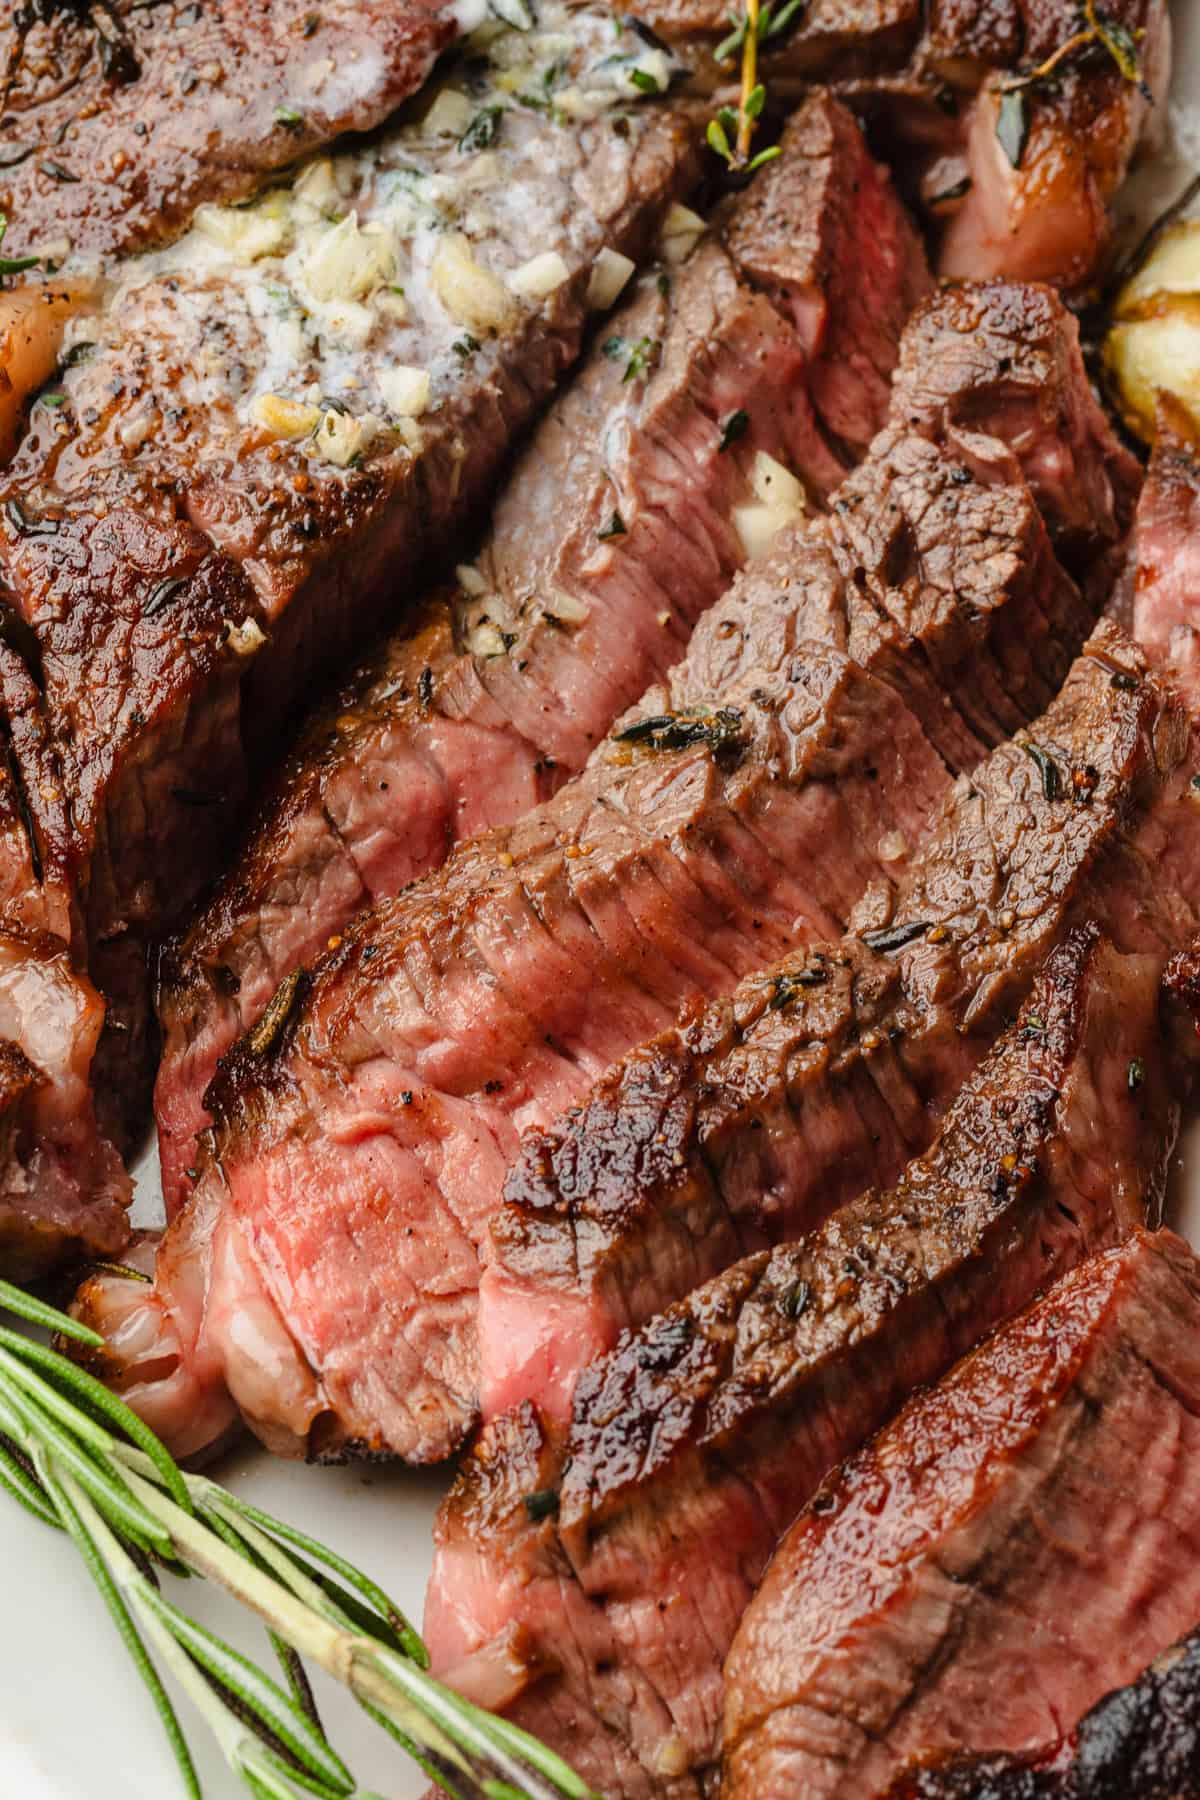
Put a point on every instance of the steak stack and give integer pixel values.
(795, 755)
(762, 360)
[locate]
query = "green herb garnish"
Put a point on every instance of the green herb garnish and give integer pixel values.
(1052, 783)
(14, 265)
(720, 730)
(1012, 126)
(77, 1459)
(482, 130)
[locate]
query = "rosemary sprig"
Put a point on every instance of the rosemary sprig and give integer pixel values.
(75, 1456)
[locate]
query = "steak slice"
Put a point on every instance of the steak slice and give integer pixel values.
(619, 526)
(234, 492)
(1168, 532)
(63, 1189)
(1016, 1542)
(748, 804)
(120, 120)
(693, 1445)
(753, 1118)
(1138, 1743)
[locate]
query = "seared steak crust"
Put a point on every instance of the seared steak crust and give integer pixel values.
(756, 1116)
(63, 1190)
(616, 530)
(693, 1444)
(1138, 1743)
(184, 572)
(1013, 1544)
(118, 121)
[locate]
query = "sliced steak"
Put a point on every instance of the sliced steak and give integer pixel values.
(119, 120)
(1139, 1743)
(753, 1118)
(234, 491)
(693, 1445)
(1166, 608)
(747, 804)
(1018, 1540)
(63, 1189)
(619, 526)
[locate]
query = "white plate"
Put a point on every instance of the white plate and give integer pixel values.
(75, 1724)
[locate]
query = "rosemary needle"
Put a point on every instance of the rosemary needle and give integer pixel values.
(76, 1458)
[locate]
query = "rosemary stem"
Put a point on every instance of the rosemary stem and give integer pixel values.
(204, 1551)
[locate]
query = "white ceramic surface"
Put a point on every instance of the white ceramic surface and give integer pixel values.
(74, 1722)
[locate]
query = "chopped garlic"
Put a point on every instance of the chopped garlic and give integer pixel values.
(53, 251)
(347, 263)
(566, 608)
(340, 437)
(246, 638)
(774, 485)
(650, 74)
(134, 432)
(778, 500)
(245, 232)
(449, 115)
(671, 1758)
(392, 302)
(486, 639)
(681, 231)
(317, 186)
(470, 293)
(406, 390)
(470, 579)
(284, 418)
(540, 276)
(610, 272)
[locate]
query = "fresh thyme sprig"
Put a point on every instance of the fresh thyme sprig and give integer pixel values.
(731, 132)
(14, 265)
(76, 1457)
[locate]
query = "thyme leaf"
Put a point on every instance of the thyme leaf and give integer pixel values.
(483, 129)
(894, 937)
(720, 730)
(1052, 782)
(14, 265)
(733, 428)
(1012, 125)
(787, 986)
